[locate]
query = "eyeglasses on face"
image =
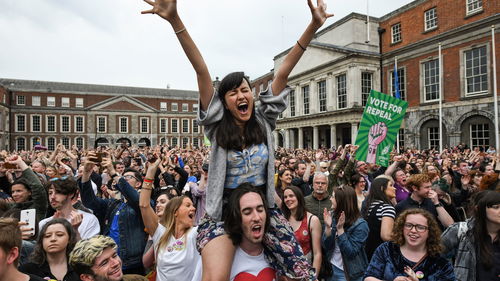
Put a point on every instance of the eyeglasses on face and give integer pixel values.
(127, 177)
(418, 227)
(60, 178)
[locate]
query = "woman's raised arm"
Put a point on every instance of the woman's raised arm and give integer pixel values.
(167, 9)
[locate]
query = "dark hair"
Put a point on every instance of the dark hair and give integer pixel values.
(279, 189)
(355, 179)
(301, 204)
(66, 186)
(227, 134)
(10, 236)
(137, 175)
(488, 199)
(23, 182)
(39, 256)
(232, 220)
(377, 192)
(347, 202)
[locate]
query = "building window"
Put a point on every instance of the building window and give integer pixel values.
(401, 138)
(185, 142)
(305, 99)
(431, 80)
(79, 124)
(175, 106)
(21, 100)
(341, 91)
(78, 102)
(123, 125)
(185, 125)
(20, 123)
(36, 141)
(163, 141)
(185, 107)
(79, 142)
(431, 20)
(51, 123)
(101, 124)
(51, 101)
(396, 33)
(174, 141)
(322, 95)
(476, 71)
(174, 125)
(20, 144)
(433, 134)
(65, 102)
(196, 128)
(401, 84)
(36, 123)
(144, 124)
(292, 103)
(195, 107)
(474, 6)
(366, 86)
(196, 142)
(35, 100)
(65, 142)
(479, 135)
(65, 124)
(163, 125)
(51, 144)
(163, 106)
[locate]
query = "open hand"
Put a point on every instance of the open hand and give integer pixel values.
(319, 14)
(166, 9)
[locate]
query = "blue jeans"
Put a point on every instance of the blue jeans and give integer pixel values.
(338, 275)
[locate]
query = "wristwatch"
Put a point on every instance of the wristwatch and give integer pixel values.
(438, 205)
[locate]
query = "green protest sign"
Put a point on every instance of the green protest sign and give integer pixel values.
(379, 128)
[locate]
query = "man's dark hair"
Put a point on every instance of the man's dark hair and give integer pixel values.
(232, 220)
(137, 175)
(64, 185)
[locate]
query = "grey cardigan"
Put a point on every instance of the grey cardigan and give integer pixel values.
(266, 113)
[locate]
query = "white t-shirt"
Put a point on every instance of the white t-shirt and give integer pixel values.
(89, 227)
(247, 267)
(179, 260)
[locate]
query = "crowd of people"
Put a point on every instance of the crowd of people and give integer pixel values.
(241, 209)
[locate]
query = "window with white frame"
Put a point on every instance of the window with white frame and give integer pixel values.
(433, 137)
(163, 106)
(401, 137)
(78, 102)
(196, 128)
(195, 107)
(123, 125)
(51, 123)
(474, 6)
(144, 121)
(51, 143)
(35, 100)
(291, 97)
(101, 124)
(21, 100)
(163, 141)
(65, 102)
(431, 20)
(51, 101)
(185, 142)
(305, 99)
(185, 107)
(65, 124)
(174, 125)
(476, 71)
(431, 80)
(175, 106)
(79, 142)
(20, 144)
(163, 125)
(396, 33)
(20, 123)
(196, 142)
(65, 141)
(175, 141)
(322, 95)
(366, 86)
(79, 124)
(479, 135)
(185, 125)
(401, 83)
(36, 141)
(341, 91)
(36, 123)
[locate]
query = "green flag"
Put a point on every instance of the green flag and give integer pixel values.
(379, 128)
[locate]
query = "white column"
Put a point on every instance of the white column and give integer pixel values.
(330, 93)
(287, 139)
(354, 132)
(276, 138)
(333, 134)
(301, 138)
(313, 97)
(315, 137)
(292, 139)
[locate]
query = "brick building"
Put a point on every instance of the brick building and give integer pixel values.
(412, 34)
(48, 113)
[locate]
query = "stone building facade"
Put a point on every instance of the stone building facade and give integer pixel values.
(49, 113)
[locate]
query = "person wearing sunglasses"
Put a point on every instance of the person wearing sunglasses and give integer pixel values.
(413, 254)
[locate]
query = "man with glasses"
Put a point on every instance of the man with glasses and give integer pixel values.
(319, 198)
(120, 218)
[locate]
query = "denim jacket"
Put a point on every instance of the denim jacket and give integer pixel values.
(131, 227)
(352, 247)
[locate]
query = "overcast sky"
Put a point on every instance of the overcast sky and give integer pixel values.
(110, 42)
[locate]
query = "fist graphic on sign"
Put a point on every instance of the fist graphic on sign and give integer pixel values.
(377, 134)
